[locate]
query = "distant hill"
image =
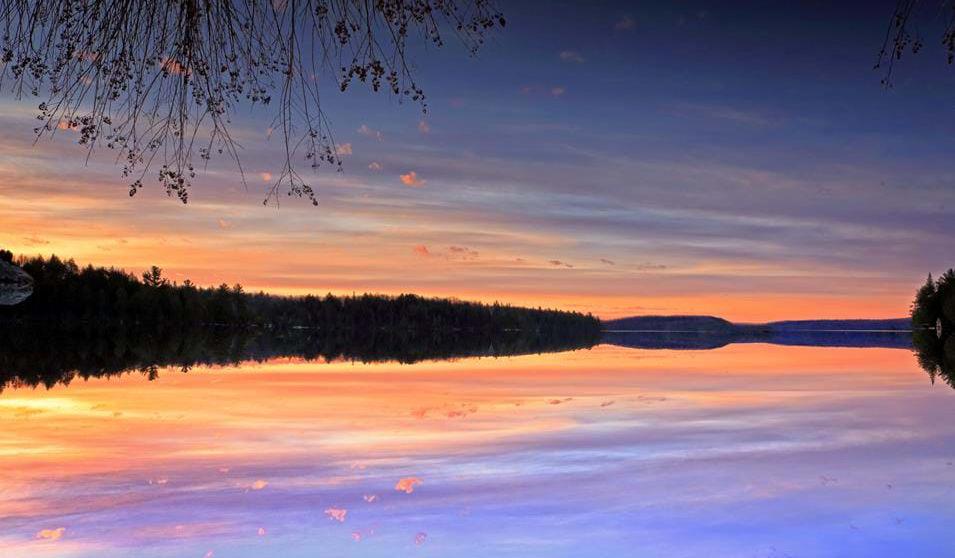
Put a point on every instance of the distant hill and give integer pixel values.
(670, 323)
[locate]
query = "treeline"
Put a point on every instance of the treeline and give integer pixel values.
(933, 324)
(35, 356)
(68, 295)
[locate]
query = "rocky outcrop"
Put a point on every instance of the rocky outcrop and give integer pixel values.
(15, 285)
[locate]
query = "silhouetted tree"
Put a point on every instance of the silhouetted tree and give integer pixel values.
(904, 32)
(159, 80)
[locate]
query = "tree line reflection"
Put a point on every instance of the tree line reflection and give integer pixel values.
(32, 356)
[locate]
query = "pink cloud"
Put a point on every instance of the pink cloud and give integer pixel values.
(407, 484)
(261, 531)
(370, 132)
(343, 149)
(421, 250)
(412, 179)
(420, 538)
(259, 484)
(370, 498)
(337, 514)
(374, 166)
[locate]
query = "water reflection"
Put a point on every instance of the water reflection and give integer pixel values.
(936, 354)
(747, 450)
(32, 356)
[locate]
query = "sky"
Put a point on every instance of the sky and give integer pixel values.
(747, 450)
(737, 159)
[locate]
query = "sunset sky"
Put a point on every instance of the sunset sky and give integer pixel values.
(631, 158)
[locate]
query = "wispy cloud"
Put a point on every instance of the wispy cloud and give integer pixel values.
(558, 91)
(572, 56)
(424, 127)
(366, 131)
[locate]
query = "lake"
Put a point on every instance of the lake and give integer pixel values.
(743, 450)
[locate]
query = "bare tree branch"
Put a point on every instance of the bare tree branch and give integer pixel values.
(158, 81)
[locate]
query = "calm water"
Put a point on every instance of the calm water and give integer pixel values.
(746, 450)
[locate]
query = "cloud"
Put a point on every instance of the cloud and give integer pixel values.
(421, 250)
(259, 484)
(407, 484)
(625, 23)
(261, 531)
(559, 263)
(411, 179)
(266, 176)
(225, 225)
(51, 534)
(572, 56)
(420, 538)
(343, 149)
(423, 127)
(337, 514)
(558, 91)
(374, 166)
(608, 262)
(35, 241)
(370, 132)
(650, 267)
(370, 498)
(462, 252)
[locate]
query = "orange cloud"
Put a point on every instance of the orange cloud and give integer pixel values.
(423, 127)
(421, 250)
(259, 484)
(266, 176)
(407, 484)
(338, 514)
(412, 179)
(343, 149)
(51, 534)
